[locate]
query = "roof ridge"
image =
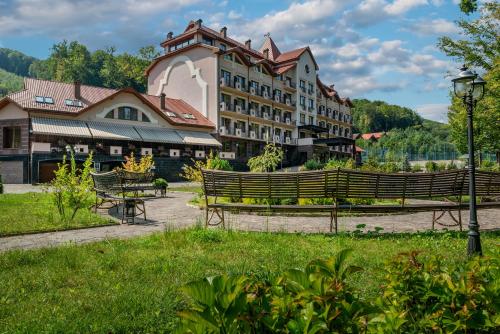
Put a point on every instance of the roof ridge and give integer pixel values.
(72, 83)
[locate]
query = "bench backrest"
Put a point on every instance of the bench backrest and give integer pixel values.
(487, 184)
(129, 177)
(109, 182)
(339, 183)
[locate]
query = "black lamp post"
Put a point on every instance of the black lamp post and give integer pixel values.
(470, 88)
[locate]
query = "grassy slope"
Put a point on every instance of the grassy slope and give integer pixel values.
(133, 285)
(21, 213)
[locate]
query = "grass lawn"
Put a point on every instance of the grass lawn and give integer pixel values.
(122, 286)
(33, 212)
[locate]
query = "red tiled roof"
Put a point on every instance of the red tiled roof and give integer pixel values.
(375, 135)
(284, 68)
(269, 44)
(92, 96)
(180, 107)
(359, 149)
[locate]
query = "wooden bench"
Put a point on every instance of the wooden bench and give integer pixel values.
(340, 185)
(111, 187)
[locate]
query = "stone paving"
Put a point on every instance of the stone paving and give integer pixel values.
(173, 212)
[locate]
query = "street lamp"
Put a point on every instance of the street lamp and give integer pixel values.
(470, 88)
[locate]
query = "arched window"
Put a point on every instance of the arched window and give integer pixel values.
(307, 69)
(127, 113)
(145, 118)
(110, 114)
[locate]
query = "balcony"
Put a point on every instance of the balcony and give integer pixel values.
(310, 109)
(290, 85)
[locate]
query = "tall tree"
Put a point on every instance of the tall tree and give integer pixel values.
(479, 48)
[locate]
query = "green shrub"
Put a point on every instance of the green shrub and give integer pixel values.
(405, 164)
(416, 168)
(371, 164)
(490, 166)
(159, 182)
(441, 166)
(268, 161)
(452, 166)
(193, 172)
(427, 297)
(390, 167)
(1, 185)
(431, 166)
(334, 164)
(417, 297)
(314, 300)
(313, 164)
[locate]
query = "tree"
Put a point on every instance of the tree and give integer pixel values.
(480, 48)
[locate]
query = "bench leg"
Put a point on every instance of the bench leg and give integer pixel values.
(223, 220)
(460, 218)
(206, 217)
(144, 208)
(333, 220)
(433, 219)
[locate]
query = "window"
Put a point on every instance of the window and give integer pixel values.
(307, 69)
(226, 76)
(241, 80)
(255, 85)
(127, 113)
(68, 102)
(145, 118)
(311, 120)
(302, 84)
(302, 118)
(311, 88)
(171, 114)
(12, 137)
(228, 56)
(188, 116)
(73, 103)
(44, 99)
(110, 114)
(207, 40)
(222, 47)
(181, 45)
(311, 103)
(303, 101)
(277, 93)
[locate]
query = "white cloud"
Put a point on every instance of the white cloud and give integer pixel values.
(399, 7)
(434, 111)
(436, 27)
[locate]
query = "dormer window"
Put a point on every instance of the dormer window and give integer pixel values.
(171, 114)
(44, 99)
(110, 114)
(188, 116)
(145, 118)
(127, 113)
(222, 47)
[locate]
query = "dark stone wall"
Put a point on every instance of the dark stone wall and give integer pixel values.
(19, 157)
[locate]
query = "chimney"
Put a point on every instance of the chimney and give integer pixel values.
(198, 23)
(266, 53)
(331, 87)
(248, 44)
(223, 32)
(77, 86)
(162, 101)
(170, 35)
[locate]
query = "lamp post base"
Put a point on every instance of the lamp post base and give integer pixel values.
(474, 244)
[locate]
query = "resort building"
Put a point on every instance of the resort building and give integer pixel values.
(207, 92)
(254, 96)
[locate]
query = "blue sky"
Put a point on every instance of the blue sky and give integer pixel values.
(376, 49)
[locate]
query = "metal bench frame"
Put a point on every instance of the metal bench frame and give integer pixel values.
(342, 184)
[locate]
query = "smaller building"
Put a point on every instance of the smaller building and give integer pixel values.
(46, 119)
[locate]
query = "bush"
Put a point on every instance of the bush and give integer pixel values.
(193, 172)
(72, 187)
(390, 167)
(313, 164)
(490, 166)
(160, 183)
(427, 297)
(268, 161)
(372, 164)
(416, 168)
(451, 166)
(145, 164)
(417, 297)
(431, 166)
(441, 166)
(405, 164)
(334, 164)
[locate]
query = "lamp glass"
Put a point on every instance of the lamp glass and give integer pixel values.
(478, 92)
(462, 87)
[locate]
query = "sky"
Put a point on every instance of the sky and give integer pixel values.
(374, 49)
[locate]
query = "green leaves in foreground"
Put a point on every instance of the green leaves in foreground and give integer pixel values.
(418, 297)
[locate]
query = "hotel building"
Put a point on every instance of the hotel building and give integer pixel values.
(206, 92)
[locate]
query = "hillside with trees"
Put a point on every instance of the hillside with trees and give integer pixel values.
(15, 62)
(9, 82)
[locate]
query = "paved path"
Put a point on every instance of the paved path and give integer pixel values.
(173, 212)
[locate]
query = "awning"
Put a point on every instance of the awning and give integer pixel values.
(103, 130)
(198, 138)
(60, 127)
(156, 135)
